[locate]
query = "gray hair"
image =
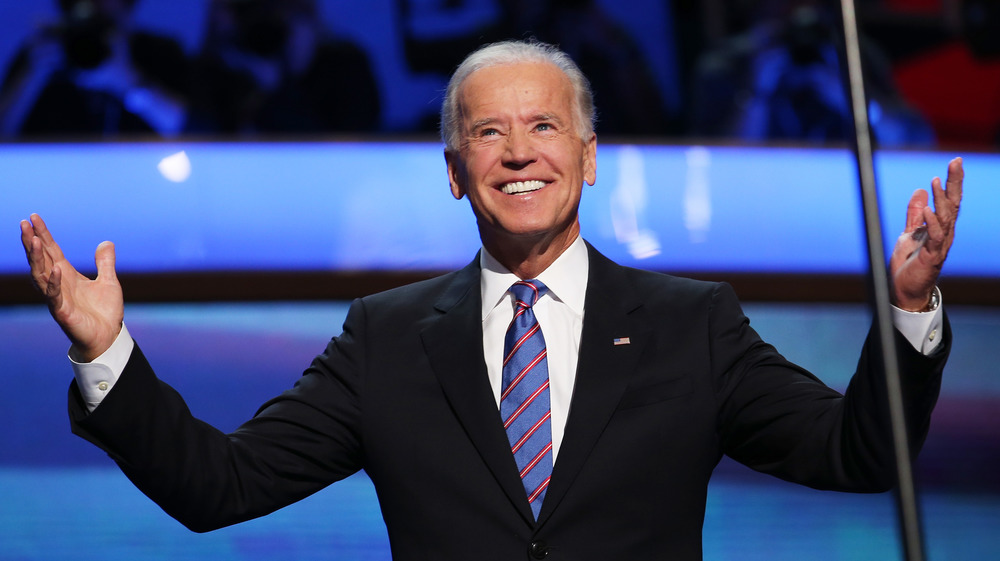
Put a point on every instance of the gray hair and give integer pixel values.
(514, 52)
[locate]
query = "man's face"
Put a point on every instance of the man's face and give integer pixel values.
(521, 160)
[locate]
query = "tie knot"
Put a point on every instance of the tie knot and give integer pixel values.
(528, 292)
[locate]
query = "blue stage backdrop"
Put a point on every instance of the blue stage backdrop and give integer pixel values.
(386, 206)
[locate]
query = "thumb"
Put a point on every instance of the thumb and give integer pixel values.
(104, 258)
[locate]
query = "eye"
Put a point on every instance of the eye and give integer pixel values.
(544, 126)
(488, 132)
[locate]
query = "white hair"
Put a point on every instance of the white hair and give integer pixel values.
(515, 52)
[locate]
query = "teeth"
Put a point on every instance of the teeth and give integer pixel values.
(522, 187)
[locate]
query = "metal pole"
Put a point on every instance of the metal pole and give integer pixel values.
(909, 517)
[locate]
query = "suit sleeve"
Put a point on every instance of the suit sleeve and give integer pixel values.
(296, 444)
(777, 418)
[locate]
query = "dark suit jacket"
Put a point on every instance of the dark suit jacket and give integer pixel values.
(403, 394)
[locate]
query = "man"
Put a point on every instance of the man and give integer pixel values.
(646, 380)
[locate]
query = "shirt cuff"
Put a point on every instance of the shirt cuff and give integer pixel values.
(95, 379)
(921, 329)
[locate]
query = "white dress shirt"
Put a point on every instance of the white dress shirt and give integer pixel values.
(560, 315)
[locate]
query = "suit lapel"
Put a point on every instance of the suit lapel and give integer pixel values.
(603, 372)
(454, 346)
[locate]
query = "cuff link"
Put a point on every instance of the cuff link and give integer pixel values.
(932, 306)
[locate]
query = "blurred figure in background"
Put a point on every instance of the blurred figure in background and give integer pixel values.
(958, 39)
(782, 80)
(630, 101)
(269, 66)
(92, 74)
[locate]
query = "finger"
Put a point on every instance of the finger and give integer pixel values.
(43, 233)
(27, 232)
(942, 206)
(39, 263)
(104, 258)
(53, 289)
(915, 210)
(948, 198)
(956, 178)
(32, 251)
(935, 231)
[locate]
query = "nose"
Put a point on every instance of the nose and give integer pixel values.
(519, 150)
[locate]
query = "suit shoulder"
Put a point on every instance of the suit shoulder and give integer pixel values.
(420, 295)
(650, 286)
(656, 279)
(654, 285)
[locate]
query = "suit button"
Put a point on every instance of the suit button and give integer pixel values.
(538, 550)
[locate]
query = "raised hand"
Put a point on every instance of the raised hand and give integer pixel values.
(923, 246)
(89, 311)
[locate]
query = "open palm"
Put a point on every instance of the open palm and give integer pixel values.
(89, 311)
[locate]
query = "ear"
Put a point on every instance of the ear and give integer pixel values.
(590, 160)
(455, 174)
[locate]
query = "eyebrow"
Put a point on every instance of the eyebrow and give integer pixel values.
(537, 117)
(482, 123)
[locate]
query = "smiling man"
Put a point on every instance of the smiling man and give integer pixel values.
(540, 403)
(523, 154)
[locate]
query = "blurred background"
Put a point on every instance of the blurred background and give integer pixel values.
(259, 163)
(677, 69)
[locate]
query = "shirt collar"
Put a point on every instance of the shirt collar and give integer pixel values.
(563, 278)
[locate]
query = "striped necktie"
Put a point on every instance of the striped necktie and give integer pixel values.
(524, 399)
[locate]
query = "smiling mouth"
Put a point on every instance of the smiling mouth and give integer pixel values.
(522, 187)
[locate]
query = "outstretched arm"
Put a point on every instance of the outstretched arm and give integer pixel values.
(923, 246)
(89, 311)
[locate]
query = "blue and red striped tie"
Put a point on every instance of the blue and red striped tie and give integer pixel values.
(524, 398)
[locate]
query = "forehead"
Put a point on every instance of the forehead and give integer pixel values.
(513, 89)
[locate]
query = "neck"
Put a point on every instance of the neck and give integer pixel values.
(528, 258)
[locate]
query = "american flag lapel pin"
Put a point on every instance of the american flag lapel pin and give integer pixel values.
(622, 341)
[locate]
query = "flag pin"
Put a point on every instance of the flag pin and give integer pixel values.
(622, 341)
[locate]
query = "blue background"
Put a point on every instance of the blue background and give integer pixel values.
(386, 206)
